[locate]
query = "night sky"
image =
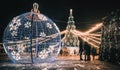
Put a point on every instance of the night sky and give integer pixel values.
(86, 12)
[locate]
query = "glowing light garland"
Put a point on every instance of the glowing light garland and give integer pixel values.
(95, 37)
(96, 27)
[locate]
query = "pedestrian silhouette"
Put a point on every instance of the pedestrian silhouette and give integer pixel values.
(87, 51)
(81, 50)
(93, 52)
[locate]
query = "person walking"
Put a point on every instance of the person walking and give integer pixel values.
(93, 52)
(81, 50)
(87, 51)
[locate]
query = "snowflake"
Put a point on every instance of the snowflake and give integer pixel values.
(49, 25)
(13, 52)
(10, 47)
(27, 24)
(14, 19)
(51, 48)
(13, 27)
(17, 56)
(42, 34)
(14, 33)
(43, 54)
(21, 48)
(18, 22)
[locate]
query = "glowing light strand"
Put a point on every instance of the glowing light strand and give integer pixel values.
(63, 32)
(94, 28)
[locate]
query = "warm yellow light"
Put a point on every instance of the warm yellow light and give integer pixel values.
(86, 38)
(94, 28)
(98, 42)
(63, 38)
(94, 34)
(63, 32)
(71, 11)
(92, 39)
(93, 45)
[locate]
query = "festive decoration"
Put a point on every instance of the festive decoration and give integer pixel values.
(110, 43)
(71, 40)
(32, 38)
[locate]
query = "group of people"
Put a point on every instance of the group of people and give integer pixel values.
(88, 50)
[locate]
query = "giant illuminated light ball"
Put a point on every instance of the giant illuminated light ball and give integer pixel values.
(32, 38)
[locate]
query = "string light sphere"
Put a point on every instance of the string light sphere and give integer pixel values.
(32, 38)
